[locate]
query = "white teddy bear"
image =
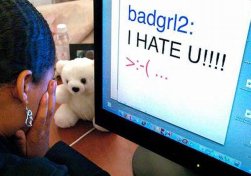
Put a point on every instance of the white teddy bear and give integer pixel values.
(76, 94)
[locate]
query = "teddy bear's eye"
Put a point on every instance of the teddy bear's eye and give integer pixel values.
(83, 80)
(66, 81)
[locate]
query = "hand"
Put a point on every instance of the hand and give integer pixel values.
(36, 141)
(77, 15)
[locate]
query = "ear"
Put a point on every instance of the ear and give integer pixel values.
(59, 66)
(23, 85)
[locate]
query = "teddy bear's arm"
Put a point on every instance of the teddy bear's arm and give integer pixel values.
(62, 94)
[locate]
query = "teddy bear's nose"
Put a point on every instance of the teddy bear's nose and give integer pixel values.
(75, 89)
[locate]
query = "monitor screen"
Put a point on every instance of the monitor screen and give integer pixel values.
(176, 75)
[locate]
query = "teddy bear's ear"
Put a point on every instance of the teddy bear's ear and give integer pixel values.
(59, 65)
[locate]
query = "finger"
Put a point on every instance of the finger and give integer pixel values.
(21, 141)
(51, 102)
(40, 120)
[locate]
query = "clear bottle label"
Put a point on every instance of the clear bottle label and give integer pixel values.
(62, 52)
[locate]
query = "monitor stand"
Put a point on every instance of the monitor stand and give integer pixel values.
(146, 163)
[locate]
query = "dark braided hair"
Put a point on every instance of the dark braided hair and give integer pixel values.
(26, 41)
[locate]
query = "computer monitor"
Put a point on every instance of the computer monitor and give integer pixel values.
(175, 77)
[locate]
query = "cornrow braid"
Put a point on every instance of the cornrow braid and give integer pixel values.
(26, 41)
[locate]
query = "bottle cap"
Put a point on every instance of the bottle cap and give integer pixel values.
(61, 28)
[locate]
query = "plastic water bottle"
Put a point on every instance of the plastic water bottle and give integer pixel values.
(62, 43)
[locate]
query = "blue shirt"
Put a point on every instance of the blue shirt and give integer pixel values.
(60, 160)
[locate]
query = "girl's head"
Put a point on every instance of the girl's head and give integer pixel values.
(26, 42)
(27, 56)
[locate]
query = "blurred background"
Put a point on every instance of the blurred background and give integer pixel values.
(43, 2)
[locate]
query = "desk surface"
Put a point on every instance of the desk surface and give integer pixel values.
(108, 150)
